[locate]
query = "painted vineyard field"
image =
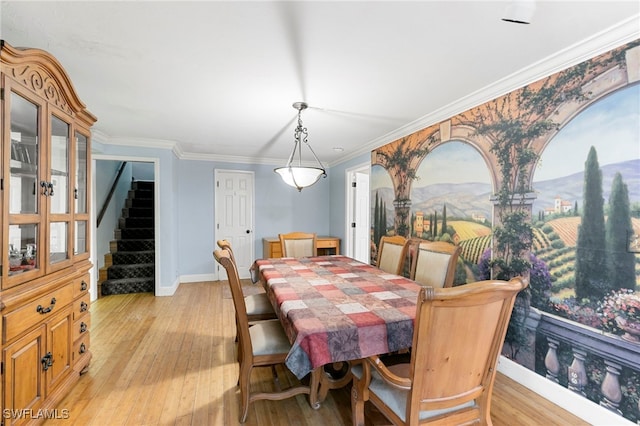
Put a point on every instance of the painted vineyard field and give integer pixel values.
(466, 230)
(472, 237)
(555, 244)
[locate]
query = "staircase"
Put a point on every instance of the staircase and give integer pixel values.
(130, 265)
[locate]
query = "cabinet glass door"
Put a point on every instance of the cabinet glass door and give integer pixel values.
(80, 195)
(58, 194)
(24, 156)
(57, 242)
(24, 187)
(59, 185)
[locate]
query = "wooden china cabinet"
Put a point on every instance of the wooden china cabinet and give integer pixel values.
(44, 218)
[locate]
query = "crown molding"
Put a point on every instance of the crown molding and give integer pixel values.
(615, 36)
(143, 142)
(229, 158)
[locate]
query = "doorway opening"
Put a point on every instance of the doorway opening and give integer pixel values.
(357, 232)
(111, 203)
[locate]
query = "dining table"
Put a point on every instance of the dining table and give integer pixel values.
(335, 309)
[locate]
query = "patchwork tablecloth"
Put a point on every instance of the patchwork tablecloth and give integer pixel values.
(334, 308)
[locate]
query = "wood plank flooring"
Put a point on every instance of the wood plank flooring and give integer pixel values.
(172, 361)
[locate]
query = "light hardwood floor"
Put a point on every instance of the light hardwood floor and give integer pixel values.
(171, 361)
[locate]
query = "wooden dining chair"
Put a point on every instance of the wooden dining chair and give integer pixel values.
(392, 252)
(298, 244)
(434, 263)
(258, 305)
(458, 336)
(263, 344)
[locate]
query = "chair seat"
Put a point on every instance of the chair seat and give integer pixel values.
(258, 304)
(268, 338)
(395, 398)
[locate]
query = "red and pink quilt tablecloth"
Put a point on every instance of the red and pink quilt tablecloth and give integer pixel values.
(334, 308)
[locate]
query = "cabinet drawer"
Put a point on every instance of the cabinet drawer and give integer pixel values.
(41, 309)
(81, 326)
(81, 306)
(81, 346)
(80, 285)
(327, 243)
(276, 251)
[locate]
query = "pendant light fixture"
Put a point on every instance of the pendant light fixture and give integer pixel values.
(294, 173)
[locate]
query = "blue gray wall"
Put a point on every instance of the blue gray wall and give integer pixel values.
(187, 216)
(278, 208)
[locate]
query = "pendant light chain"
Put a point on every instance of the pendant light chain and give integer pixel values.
(298, 175)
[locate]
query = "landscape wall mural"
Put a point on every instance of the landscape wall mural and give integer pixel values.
(577, 135)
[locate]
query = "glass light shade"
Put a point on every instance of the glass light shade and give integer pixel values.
(299, 177)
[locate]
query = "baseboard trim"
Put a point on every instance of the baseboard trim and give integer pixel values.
(197, 278)
(575, 404)
(169, 290)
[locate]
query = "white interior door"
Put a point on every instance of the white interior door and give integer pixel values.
(361, 215)
(234, 212)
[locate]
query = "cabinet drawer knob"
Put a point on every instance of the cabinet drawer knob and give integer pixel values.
(83, 348)
(84, 307)
(48, 309)
(83, 285)
(83, 327)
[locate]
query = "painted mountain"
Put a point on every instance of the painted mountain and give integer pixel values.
(466, 200)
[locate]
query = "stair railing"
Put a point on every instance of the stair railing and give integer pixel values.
(103, 210)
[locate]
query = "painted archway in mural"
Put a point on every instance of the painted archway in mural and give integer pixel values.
(532, 114)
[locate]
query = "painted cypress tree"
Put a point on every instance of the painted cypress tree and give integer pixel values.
(376, 221)
(443, 228)
(590, 255)
(575, 210)
(380, 225)
(435, 224)
(383, 229)
(620, 261)
(431, 225)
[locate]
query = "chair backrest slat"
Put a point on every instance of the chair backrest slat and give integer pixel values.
(434, 263)
(392, 251)
(298, 244)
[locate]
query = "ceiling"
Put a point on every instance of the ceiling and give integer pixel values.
(217, 79)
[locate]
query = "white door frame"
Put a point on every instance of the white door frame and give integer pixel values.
(156, 201)
(244, 273)
(351, 204)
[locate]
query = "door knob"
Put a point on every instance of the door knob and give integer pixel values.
(248, 231)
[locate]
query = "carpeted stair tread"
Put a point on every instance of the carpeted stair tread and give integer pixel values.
(139, 203)
(143, 184)
(140, 270)
(133, 257)
(136, 244)
(127, 285)
(137, 212)
(136, 222)
(135, 233)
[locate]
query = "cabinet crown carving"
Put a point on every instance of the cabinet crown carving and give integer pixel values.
(41, 73)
